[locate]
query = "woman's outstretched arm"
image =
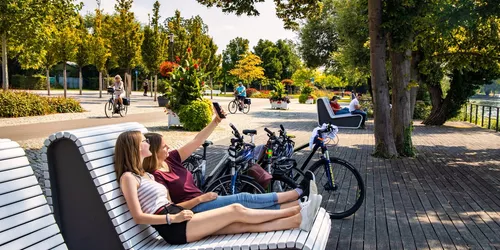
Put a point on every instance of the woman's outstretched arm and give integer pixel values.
(186, 150)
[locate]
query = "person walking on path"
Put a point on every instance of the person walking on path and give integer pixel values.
(145, 85)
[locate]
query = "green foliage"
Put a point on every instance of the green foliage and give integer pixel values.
(196, 115)
(248, 68)
(186, 81)
(64, 105)
(153, 48)
(279, 92)
(127, 36)
(35, 82)
(101, 52)
(422, 110)
(163, 86)
(304, 76)
(493, 88)
(232, 54)
(21, 104)
(84, 49)
(307, 89)
(367, 105)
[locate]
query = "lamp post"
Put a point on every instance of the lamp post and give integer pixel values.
(171, 43)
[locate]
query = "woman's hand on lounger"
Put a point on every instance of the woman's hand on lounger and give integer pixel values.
(210, 196)
(183, 215)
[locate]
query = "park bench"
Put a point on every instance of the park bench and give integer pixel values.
(92, 212)
(26, 221)
(326, 115)
(214, 92)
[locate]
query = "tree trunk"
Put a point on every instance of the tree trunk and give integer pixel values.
(415, 80)
(129, 77)
(384, 141)
(155, 84)
(5, 67)
(439, 107)
(65, 80)
(100, 84)
(48, 81)
(401, 119)
(80, 81)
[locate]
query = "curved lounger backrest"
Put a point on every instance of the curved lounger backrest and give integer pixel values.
(87, 202)
(325, 112)
(26, 221)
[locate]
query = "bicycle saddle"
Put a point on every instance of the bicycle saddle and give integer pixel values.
(249, 131)
(207, 143)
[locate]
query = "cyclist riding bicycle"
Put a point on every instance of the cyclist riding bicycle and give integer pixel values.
(119, 93)
(241, 93)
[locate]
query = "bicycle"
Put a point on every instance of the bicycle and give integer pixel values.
(228, 176)
(110, 109)
(338, 181)
(236, 105)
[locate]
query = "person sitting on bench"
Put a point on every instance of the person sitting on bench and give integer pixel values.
(336, 106)
(168, 170)
(355, 108)
(149, 203)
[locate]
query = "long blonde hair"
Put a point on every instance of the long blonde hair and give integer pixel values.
(127, 154)
(151, 163)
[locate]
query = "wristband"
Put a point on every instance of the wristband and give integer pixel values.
(168, 219)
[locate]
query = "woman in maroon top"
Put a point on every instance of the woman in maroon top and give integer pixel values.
(166, 166)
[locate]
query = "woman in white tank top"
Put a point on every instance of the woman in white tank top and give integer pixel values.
(148, 203)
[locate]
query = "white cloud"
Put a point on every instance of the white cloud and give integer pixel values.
(222, 27)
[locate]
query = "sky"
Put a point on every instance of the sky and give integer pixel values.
(221, 26)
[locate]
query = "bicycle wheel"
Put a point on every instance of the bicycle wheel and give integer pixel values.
(246, 108)
(108, 109)
(123, 110)
(348, 190)
(284, 181)
(232, 107)
(222, 186)
(191, 164)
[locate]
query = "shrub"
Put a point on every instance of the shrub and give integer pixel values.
(64, 105)
(303, 98)
(162, 87)
(196, 115)
(422, 110)
(21, 104)
(367, 106)
(307, 89)
(251, 92)
(35, 82)
(261, 95)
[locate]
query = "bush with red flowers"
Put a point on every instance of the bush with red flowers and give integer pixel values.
(251, 91)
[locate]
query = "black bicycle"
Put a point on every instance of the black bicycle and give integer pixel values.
(229, 176)
(110, 108)
(236, 105)
(339, 182)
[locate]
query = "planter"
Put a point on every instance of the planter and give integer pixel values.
(162, 101)
(279, 105)
(310, 101)
(173, 119)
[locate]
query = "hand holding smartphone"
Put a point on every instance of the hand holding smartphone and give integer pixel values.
(218, 109)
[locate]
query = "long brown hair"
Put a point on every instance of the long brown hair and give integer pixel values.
(127, 154)
(151, 164)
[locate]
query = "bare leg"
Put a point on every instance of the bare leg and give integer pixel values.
(207, 223)
(289, 204)
(287, 196)
(274, 225)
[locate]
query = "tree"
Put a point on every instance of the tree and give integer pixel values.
(127, 40)
(23, 29)
(101, 53)
(248, 69)
(305, 75)
(49, 58)
(268, 52)
(384, 140)
(84, 49)
(67, 44)
(152, 46)
(288, 56)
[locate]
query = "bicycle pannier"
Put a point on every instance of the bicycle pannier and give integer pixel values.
(126, 101)
(247, 101)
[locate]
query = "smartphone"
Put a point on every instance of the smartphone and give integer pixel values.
(218, 109)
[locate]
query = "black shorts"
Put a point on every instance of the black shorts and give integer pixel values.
(241, 98)
(174, 233)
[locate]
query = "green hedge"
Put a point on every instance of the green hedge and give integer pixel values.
(196, 115)
(422, 110)
(21, 104)
(35, 82)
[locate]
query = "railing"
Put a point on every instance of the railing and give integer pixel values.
(474, 112)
